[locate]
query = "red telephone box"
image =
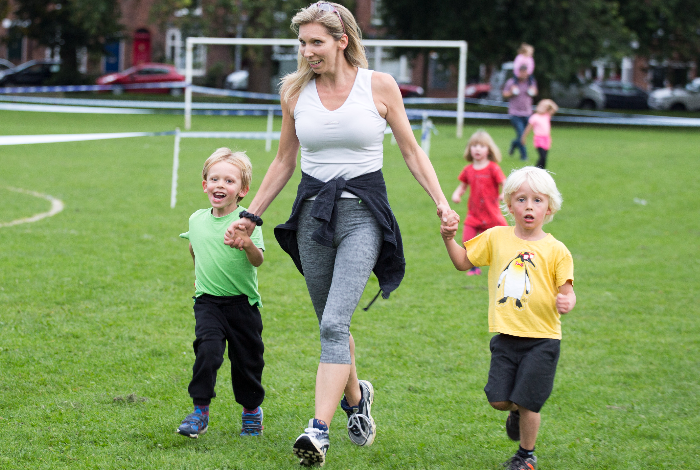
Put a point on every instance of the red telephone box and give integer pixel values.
(142, 47)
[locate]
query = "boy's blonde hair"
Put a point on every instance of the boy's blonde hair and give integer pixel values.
(545, 105)
(526, 49)
(482, 137)
(540, 181)
(293, 83)
(237, 159)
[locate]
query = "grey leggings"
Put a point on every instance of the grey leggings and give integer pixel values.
(336, 276)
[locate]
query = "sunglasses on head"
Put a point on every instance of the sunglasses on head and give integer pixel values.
(324, 6)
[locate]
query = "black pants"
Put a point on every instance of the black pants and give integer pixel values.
(542, 162)
(232, 319)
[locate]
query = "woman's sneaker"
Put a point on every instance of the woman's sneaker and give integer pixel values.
(361, 427)
(194, 425)
(311, 447)
(252, 423)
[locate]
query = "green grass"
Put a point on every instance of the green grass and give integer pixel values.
(96, 326)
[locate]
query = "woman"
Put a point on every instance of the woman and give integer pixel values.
(337, 110)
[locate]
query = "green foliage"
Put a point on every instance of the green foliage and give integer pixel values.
(96, 325)
(70, 25)
(666, 29)
(566, 35)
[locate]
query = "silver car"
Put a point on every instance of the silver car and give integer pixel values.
(677, 99)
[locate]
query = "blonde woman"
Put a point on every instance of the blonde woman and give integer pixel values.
(341, 227)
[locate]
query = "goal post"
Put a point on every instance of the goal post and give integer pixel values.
(377, 43)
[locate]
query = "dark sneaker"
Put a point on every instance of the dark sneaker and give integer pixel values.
(519, 463)
(361, 427)
(513, 425)
(194, 425)
(252, 423)
(311, 447)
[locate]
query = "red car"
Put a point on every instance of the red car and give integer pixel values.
(143, 73)
(477, 90)
(410, 91)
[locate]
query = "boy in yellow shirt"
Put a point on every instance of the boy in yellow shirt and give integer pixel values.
(530, 286)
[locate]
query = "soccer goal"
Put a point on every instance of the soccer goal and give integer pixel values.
(378, 44)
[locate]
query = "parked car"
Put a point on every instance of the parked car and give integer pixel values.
(622, 95)
(477, 90)
(677, 99)
(32, 73)
(141, 74)
(579, 94)
(6, 64)
(237, 80)
(410, 91)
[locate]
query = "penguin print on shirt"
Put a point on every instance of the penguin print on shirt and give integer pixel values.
(515, 279)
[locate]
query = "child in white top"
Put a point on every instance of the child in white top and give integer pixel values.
(540, 124)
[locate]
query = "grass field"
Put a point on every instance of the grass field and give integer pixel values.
(96, 326)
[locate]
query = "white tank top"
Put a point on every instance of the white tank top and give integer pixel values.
(347, 142)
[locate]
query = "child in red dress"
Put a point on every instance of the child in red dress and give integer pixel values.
(486, 180)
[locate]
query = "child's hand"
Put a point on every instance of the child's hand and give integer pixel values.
(456, 198)
(448, 229)
(241, 238)
(565, 302)
(522, 140)
(500, 197)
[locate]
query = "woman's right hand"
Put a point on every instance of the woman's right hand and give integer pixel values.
(230, 237)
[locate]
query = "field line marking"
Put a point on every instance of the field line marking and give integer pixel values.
(56, 207)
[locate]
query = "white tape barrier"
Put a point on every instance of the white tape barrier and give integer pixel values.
(56, 207)
(54, 138)
(71, 109)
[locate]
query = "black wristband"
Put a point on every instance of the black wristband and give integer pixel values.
(257, 220)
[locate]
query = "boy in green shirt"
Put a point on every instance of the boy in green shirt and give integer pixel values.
(226, 296)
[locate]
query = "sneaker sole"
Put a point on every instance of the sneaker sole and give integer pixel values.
(308, 453)
(191, 436)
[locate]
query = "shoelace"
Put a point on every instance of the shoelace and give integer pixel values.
(355, 424)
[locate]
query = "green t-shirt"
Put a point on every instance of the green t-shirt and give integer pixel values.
(219, 269)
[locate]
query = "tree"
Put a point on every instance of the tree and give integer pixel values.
(68, 25)
(664, 28)
(234, 18)
(567, 35)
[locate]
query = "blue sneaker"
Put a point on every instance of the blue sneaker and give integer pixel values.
(252, 423)
(311, 447)
(361, 427)
(194, 425)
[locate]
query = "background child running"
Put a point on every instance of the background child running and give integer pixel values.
(485, 178)
(226, 296)
(540, 124)
(525, 58)
(530, 286)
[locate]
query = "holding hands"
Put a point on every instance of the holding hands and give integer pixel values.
(238, 234)
(450, 225)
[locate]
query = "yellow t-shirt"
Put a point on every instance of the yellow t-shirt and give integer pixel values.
(524, 280)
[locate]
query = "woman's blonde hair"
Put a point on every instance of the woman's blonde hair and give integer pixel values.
(293, 83)
(545, 105)
(238, 159)
(482, 137)
(540, 181)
